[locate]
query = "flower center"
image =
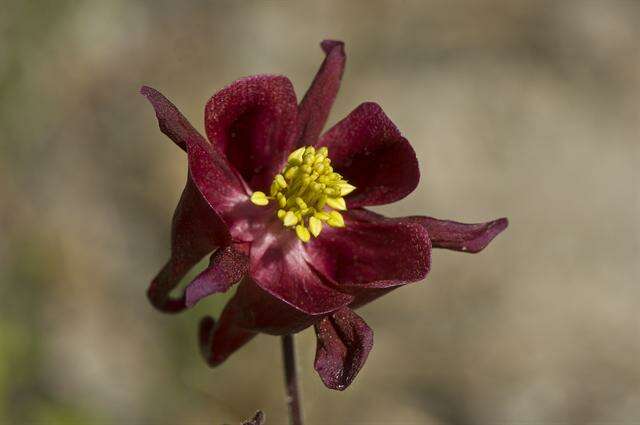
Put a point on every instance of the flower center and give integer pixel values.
(308, 193)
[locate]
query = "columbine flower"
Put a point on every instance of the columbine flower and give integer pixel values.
(282, 210)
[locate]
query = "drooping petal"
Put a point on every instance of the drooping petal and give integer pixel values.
(369, 151)
(279, 266)
(251, 310)
(316, 104)
(196, 231)
(369, 254)
(227, 266)
(460, 236)
(344, 342)
(268, 314)
(253, 122)
(447, 234)
(219, 340)
(208, 167)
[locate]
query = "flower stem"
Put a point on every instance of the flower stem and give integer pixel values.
(291, 380)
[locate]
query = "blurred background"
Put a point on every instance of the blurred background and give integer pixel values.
(522, 109)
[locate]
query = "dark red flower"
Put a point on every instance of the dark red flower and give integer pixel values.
(262, 196)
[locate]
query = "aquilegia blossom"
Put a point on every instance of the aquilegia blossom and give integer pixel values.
(281, 210)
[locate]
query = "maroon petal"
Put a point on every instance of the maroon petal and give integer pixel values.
(316, 105)
(368, 150)
(460, 236)
(371, 253)
(219, 340)
(208, 168)
(171, 121)
(253, 122)
(445, 233)
(196, 231)
(344, 342)
(279, 266)
(251, 310)
(226, 267)
(365, 297)
(262, 312)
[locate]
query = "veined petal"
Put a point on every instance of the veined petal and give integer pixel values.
(208, 167)
(253, 122)
(227, 266)
(368, 254)
(316, 104)
(446, 234)
(279, 266)
(196, 231)
(344, 341)
(369, 151)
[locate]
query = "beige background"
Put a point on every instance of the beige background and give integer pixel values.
(522, 109)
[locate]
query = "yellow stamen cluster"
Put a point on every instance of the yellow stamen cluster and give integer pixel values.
(308, 192)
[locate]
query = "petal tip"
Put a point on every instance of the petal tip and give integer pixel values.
(329, 45)
(371, 107)
(502, 223)
(191, 298)
(493, 229)
(149, 92)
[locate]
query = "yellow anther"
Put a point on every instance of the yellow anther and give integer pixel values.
(303, 233)
(335, 219)
(330, 191)
(274, 188)
(307, 192)
(291, 172)
(322, 216)
(259, 198)
(337, 203)
(301, 204)
(297, 154)
(346, 188)
(315, 226)
(290, 219)
(321, 202)
(280, 180)
(282, 201)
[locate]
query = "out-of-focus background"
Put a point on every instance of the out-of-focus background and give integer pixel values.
(522, 109)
